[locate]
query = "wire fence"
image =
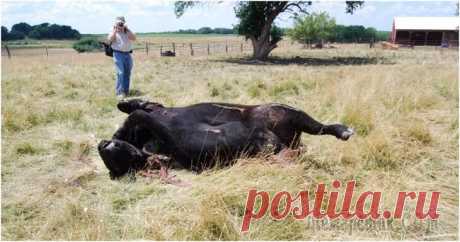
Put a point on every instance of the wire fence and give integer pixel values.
(192, 49)
(182, 49)
(147, 48)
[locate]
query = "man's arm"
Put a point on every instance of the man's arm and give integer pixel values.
(111, 37)
(131, 35)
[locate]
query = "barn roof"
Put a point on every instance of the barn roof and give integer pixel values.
(426, 23)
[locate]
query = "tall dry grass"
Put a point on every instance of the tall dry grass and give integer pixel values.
(403, 104)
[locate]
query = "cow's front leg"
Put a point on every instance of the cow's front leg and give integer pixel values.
(164, 163)
(158, 162)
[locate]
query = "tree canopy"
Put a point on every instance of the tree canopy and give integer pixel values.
(314, 27)
(256, 20)
(25, 28)
(4, 32)
(11, 35)
(40, 31)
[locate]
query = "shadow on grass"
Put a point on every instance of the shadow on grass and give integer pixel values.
(135, 93)
(335, 61)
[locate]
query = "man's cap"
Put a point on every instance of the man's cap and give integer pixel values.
(120, 19)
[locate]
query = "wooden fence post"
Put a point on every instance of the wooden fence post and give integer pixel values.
(46, 49)
(8, 51)
(174, 47)
(241, 47)
(191, 49)
(208, 49)
(226, 47)
(161, 48)
(146, 48)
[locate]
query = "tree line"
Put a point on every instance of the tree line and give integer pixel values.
(338, 33)
(206, 30)
(39, 31)
(357, 33)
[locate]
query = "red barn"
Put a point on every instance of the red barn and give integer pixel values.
(436, 31)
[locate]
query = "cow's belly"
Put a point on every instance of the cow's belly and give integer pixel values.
(203, 141)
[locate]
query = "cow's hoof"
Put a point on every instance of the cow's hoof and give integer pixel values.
(345, 135)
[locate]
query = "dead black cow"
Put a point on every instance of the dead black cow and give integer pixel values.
(198, 136)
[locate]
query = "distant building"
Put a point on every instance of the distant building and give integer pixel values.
(436, 31)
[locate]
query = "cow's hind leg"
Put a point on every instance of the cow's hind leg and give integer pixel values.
(142, 119)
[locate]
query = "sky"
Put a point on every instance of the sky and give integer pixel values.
(97, 16)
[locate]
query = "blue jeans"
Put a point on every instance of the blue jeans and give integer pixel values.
(123, 65)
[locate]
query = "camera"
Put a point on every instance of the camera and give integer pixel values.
(120, 24)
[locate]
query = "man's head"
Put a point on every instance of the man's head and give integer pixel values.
(120, 157)
(120, 21)
(120, 24)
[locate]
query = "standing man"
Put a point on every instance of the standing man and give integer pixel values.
(121, 39)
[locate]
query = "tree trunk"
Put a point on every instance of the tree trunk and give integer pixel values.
(262, 44)
(262, 48)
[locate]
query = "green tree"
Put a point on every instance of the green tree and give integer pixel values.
(370, 34)
(15, 35)
(38, 31)
(382, 35)
(53, 31)
(256, 20)
(355, 33)
(339, 33)
(204, 30)
(187, 31)
(313, 28)
(4, 33)
(223, 31)
(22, 27)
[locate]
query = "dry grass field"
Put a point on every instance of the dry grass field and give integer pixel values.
(403, 105)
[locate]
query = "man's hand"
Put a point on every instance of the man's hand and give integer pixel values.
(118, 29)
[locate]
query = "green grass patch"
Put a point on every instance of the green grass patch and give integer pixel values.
(359, 117)
(27, 149)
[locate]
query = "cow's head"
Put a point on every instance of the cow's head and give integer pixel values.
(128, 106)
(120, 157)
